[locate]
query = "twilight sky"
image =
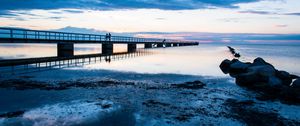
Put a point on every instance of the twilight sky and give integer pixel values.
(204, 20)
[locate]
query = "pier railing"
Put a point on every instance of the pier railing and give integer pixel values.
(13, 33)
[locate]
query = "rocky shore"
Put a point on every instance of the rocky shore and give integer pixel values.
(210, 102)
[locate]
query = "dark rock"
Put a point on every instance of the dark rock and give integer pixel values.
(294, 76)
(105, 106)
(250, 78)
(262, 70)
(184, 117)
(190, 85)
(274, 81)
(152, 103)
(260, 61)
(263, 78)
(237, 67)
(237, 55)
(285, 77)
(290, 95)
(12, 114)
(233, 52)
(282, 74)
(257, 74)
(225, 66)
(296, 84)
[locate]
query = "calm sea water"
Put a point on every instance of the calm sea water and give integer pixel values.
(194, 60)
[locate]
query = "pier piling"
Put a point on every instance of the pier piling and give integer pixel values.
(65, 49)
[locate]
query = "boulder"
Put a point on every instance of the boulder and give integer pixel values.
(262, 77)
(246, 79)
(274, 82)
(250, 79)
(225, 66)
(260, 61)
(296, 84)
(282, 74)
(292, 76)
(285, 77)
(237, 55)
(238, 67)
(262, 70)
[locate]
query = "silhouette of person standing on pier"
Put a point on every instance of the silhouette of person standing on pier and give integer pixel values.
(106, 36)
(109, 36)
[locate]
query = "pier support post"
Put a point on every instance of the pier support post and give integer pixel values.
(160, 45)
(65, 49)
(181, 44)
(131, 48)
(168, 45)
(107, 48)
(148, 45)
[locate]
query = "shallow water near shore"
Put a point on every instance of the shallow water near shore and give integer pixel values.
(140, 91)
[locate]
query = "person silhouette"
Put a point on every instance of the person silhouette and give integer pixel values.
(106, 36)
(109, 36)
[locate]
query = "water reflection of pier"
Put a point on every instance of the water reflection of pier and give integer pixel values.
(20, 66)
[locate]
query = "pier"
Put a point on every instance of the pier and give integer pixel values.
(65, 44)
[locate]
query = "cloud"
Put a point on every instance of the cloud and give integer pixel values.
(294, 14)
(201, 36)
(268, 13)
(117, 4)
(73, 11)
(160, 18)
(257, 12)
(234, 20)
(281, 26)
(6, 13)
